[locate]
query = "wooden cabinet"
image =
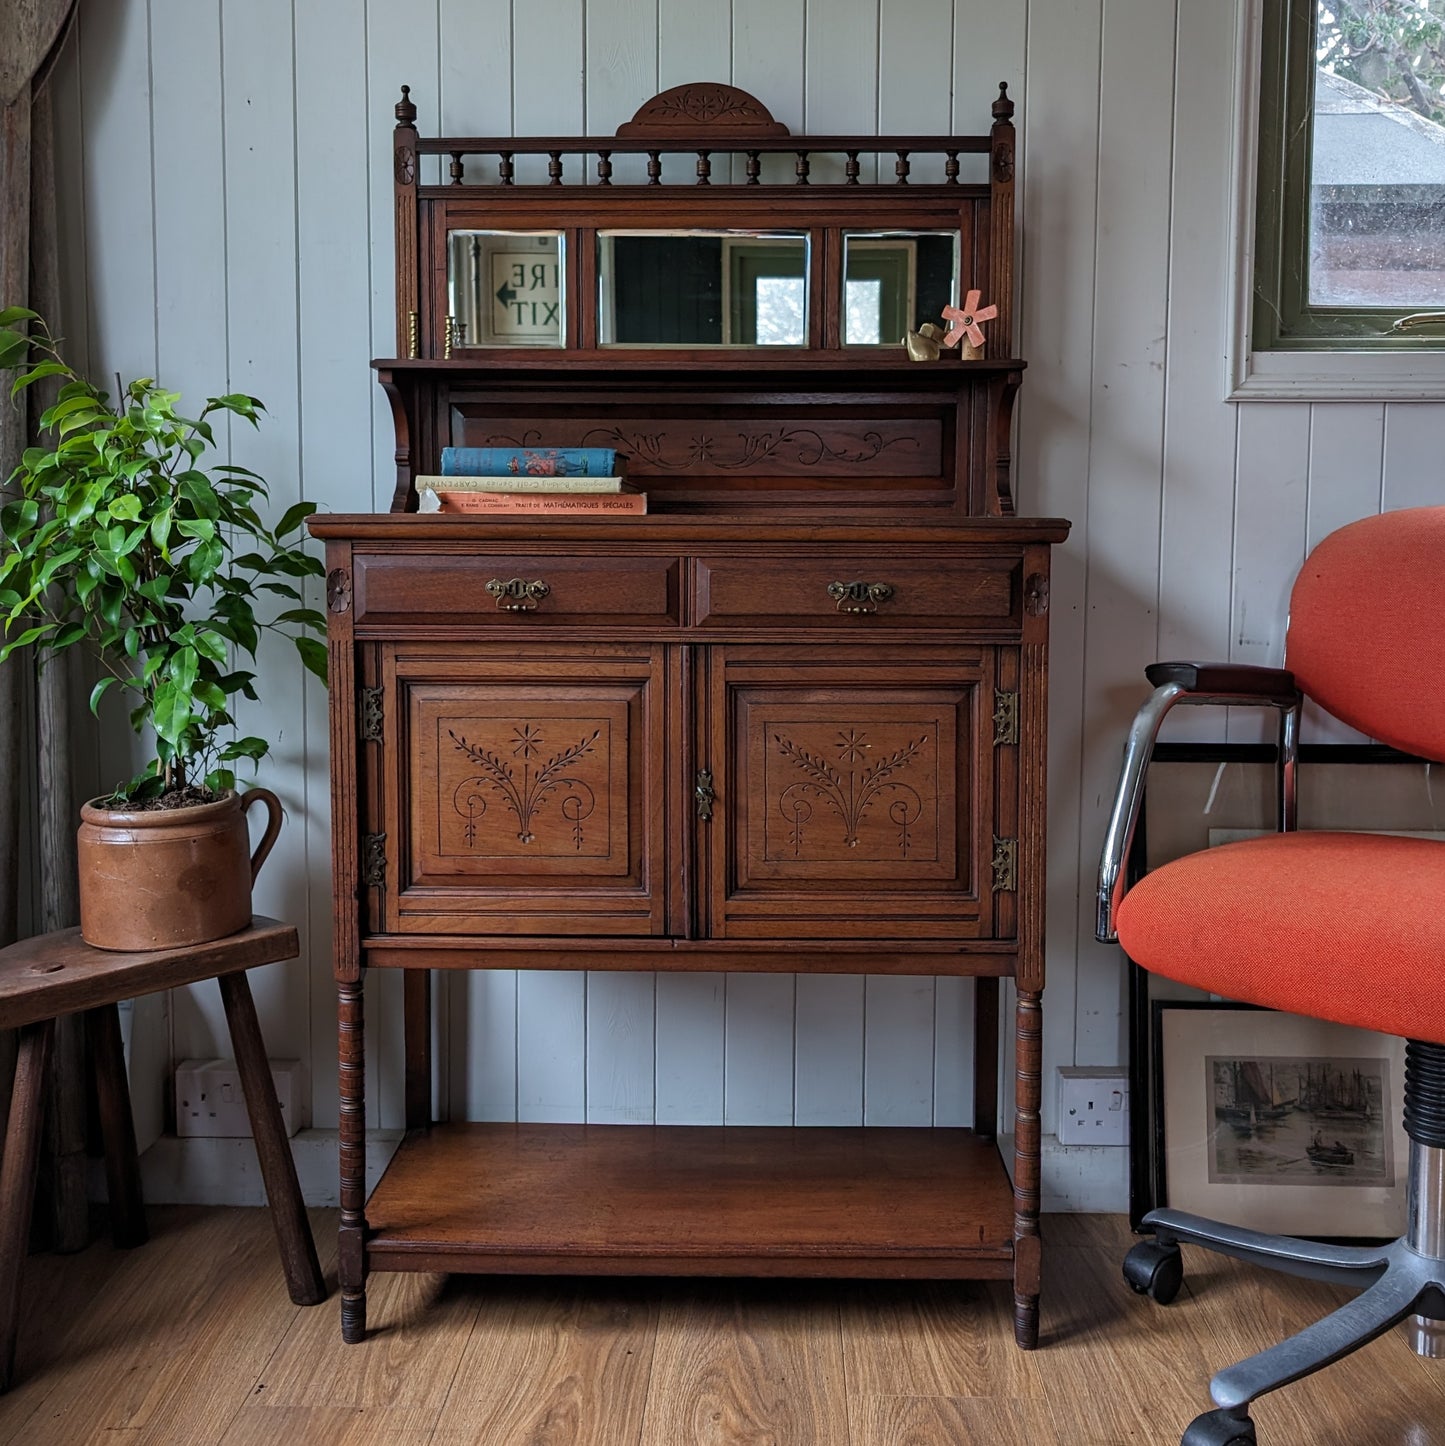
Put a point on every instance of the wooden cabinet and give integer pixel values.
(793, 720)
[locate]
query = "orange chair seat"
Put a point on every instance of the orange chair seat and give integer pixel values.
(1342, 926)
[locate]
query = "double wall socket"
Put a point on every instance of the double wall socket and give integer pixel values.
(210, 1101)
(1093, 1105)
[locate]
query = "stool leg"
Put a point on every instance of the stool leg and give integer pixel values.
(278, 1169)
(117, 1128)
(17, 1179)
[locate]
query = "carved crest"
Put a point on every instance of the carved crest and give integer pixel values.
(703, 105)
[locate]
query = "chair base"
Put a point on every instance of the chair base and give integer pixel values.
(1399, 1280)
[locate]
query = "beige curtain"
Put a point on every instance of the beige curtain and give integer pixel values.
(37, 843)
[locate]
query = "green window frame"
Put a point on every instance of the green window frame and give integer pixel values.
(1282, 318)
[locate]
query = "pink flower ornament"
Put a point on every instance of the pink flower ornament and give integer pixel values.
(965, 322)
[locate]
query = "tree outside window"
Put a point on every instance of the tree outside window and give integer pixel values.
(1351, 201)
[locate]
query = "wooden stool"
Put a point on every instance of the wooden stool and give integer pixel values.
(57, 974)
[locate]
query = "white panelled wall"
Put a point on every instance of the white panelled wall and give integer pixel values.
(227, 215)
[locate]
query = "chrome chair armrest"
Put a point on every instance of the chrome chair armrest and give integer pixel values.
(1207, 684)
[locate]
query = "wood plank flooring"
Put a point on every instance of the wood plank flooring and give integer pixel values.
(191, 1339)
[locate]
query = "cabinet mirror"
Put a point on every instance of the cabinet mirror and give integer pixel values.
(894, 281)
(702, 288)
(504, 288)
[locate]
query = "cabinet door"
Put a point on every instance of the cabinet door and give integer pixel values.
(526, 789)
(855, 792)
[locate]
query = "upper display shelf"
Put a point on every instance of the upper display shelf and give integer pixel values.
(760, 242)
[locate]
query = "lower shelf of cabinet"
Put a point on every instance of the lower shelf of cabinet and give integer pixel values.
(685, 1200)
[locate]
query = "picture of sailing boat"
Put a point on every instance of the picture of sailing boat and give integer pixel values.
(1290, 1120)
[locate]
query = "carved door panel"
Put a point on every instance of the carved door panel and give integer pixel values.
(527, 789)
(855, 792)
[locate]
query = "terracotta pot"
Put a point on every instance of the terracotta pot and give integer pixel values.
(157, 879)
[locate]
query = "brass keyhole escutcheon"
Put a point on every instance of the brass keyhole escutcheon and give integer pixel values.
(704, 794)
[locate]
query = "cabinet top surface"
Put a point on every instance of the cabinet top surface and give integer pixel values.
(677, 531)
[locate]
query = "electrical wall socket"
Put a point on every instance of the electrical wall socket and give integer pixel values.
(210, 1101)
(1093, 1105)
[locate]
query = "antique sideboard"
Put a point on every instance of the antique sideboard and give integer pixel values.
(792, 719)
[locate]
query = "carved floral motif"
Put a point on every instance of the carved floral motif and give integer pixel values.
(851, 793)
(524, 788)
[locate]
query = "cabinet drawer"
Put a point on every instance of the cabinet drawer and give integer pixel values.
(859, 591)
(516, 589)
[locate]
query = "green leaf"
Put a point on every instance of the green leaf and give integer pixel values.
(313, 655)
(19, 517)
(293, 517)
(39, 373)
(307, 617)
(252, 748)
(126, 507)
(14, 348)
(99, 691)
(197, 490)
(12, 314)
(221, 780)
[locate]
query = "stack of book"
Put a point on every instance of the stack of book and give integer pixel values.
(562, 481)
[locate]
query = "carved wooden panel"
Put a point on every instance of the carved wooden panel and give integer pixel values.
(527, 789)
(852, 797)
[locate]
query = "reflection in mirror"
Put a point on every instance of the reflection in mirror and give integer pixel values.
(894, 281)
(702, 288)
(504, 288)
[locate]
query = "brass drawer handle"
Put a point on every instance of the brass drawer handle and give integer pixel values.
(703, 794)
(516, 595)
(859, 597)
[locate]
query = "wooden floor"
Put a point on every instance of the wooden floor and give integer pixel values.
(192, 1339)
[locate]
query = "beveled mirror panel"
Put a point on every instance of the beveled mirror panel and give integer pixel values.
(505, 288)
(894, 281)
(702, 288)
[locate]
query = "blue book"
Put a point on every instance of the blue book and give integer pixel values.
(530, 462)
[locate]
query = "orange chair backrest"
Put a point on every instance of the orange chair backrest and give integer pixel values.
(1366, 633)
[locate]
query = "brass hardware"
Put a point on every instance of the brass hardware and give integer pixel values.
(703, 794)
(371, 714)
(1005, 865)
(859, 597)
(516, 595)
(413, 333)
(373, 856)
(1005, 717)
(449, 338)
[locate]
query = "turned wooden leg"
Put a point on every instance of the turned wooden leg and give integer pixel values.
(117, 1128)
(278, 1169)
(17, 1178)
(352, 1236)
(1028, 1081)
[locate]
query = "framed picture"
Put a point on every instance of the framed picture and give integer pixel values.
(1278, 1122)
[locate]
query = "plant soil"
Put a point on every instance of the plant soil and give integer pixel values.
(188, 795)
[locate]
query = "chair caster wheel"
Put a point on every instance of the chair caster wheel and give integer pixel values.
(1154, 1270)
(1220, 1428)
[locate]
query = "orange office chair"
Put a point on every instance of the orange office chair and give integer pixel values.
(1339, 926)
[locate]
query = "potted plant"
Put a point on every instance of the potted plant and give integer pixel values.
(123, 537)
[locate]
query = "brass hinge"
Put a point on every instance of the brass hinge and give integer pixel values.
(1005, 865)
(373, 860)
(1005, 717)
(369, 701)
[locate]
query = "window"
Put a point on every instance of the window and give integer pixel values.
(1350, 202)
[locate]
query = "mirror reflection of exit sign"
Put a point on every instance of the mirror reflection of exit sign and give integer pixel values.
(526, 292)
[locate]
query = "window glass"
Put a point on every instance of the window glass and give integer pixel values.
(1377, 164)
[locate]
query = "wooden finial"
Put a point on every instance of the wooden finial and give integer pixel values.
(1003, 107)
(405, 110)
